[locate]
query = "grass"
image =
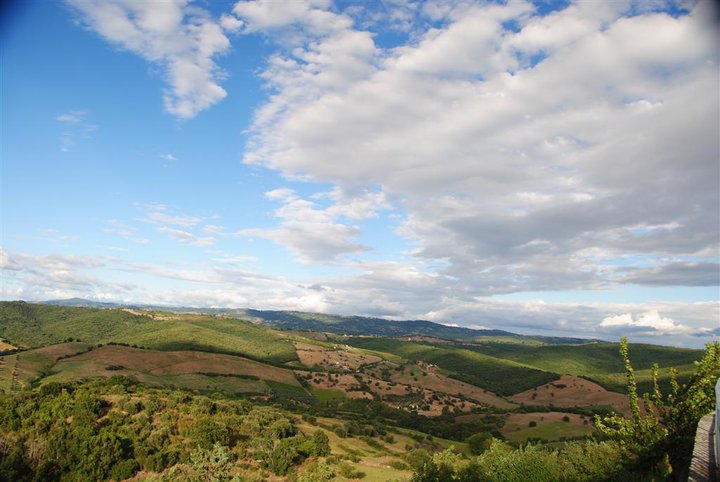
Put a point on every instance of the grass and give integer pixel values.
(548, 427)
(192, 381)
(294, 392)
(618, 381)
(326, 395)
(592, 358)
(188, 370)
(550, 431)
(31, 325)
(29, 365)
(373, 463)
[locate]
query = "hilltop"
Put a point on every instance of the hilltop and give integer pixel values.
(341, 325)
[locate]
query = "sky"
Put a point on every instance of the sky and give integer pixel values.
(548, 168)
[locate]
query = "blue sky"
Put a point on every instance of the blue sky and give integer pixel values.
(546, 167)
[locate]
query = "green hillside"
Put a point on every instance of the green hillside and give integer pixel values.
(598, 361)
(504, 377)
(31, 325)
(595, 358)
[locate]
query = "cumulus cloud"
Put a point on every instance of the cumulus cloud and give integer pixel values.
(40, 277)
(182, 39)
(526, 158)
(649, 322)
(317, 235)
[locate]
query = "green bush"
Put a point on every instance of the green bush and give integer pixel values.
(479, 442)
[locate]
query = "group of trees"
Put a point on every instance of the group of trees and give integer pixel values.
(111, 429)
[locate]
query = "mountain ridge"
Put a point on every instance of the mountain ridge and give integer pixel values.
(338, 324)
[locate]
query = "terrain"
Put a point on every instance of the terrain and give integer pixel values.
(373, 397)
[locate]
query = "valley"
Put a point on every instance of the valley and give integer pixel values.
(375, 397)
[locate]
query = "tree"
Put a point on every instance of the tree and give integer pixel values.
(321, 443)
(479, 442)
(662, 438)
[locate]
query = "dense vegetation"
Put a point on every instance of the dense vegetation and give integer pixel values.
(111, 429)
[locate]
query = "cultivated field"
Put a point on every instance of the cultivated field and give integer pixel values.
(422, 400)
(18, 370)
(336, 358)
(431, 379)
(169, 363)
(547, 426)
(571, 391)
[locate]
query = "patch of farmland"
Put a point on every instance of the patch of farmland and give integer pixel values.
(17, 370)
(168, 363)
(549, 426)
(571, 391)
(429, 377)
(336, 358)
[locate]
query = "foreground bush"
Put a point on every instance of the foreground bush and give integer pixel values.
(654, 444)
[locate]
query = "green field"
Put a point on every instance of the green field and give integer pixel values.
(595, 358)
(31, 325)
(599, 362)
(67, 362)
(325, 395)
(550, 431)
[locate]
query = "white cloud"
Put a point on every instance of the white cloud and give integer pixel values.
(43, 277)
(648, 323)
(180, 38)
(520, 175)
(74, 127)
(162, 214)
(186, 237)
(73, 117)
(234, 259)
(316, 235)
(125, 231)
(168, 157)
(394, 290)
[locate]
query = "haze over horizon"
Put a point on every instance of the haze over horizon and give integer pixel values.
(543, 167)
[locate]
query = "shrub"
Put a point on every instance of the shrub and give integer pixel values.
(207, 432)
(348, 471)
(479, 442)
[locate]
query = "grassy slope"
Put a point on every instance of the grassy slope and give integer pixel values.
(599, 358)
(33, 325)
(503, 377)
(66, 362)
(27, 366)
(600, 362)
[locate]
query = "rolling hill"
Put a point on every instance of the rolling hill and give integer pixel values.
(342, 325)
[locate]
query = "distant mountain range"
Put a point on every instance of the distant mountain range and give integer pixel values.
(343, 325)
